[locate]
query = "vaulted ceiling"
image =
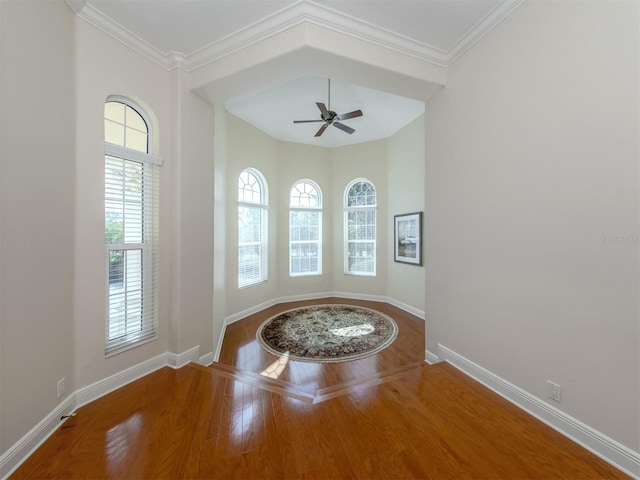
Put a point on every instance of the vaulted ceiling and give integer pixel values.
(269, 60)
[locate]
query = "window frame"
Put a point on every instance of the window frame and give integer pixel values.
(262, 206)
(366, 208)
(309, 209)
(148, 165)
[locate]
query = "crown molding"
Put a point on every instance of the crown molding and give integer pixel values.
(308, 12)
(299, 13)
(103, 23)
(480, 29)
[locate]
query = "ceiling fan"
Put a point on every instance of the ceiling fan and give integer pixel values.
(329, 117)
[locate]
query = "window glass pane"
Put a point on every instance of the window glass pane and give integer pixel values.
(362, 257)
(114, 133)
(125, 293)
(124, 215)
(134, 120)
(304, 195)
(114, 111)
(249, 189)
(305, 258)
(361, 194)
(136, 140)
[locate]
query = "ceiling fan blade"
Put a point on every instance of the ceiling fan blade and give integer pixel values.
(322, 129)
(345, 116)
(307, 121)
(322, 108)
(343, 127)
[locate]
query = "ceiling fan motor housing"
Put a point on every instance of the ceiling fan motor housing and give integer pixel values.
(329, 116)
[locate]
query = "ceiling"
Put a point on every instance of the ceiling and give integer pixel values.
(190, 34)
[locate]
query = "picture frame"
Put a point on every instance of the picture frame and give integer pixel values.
(407, 236)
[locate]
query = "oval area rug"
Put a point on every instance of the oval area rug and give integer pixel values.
(327, 333)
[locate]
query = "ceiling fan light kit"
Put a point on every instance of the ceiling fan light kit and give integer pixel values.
(329, 117)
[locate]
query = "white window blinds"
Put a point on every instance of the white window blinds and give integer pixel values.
(305, 229)
(252, 228)
(360, 228)
(131, 229)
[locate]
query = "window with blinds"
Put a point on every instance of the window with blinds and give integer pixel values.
(252, 228)
(131, 227)
(360, 228)
(305, 229)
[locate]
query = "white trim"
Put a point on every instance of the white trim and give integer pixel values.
(92, 16)
(596, 442)
(28, 444)
(206, 359)
(299, 13)
(119, 151)
(431, 357)
(107, 385)
(216, 355)
(179, 360)
(407, 308)
(315, 296)
(480, 29)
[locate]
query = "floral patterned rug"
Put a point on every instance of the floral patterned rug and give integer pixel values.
(327, 333)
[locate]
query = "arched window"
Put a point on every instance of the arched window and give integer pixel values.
(131, 226)
(360, 228)
(252, 228)
(305, 229)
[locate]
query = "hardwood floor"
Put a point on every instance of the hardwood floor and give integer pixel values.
(385, 416)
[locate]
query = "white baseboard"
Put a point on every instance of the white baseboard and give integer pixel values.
(179, 360)
(315, 296)
(28, 444)
(18, 453)
(606, 448)
(107, 385)
(431, 357)
(206, 359)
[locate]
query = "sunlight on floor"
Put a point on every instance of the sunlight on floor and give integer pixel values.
(276, 368)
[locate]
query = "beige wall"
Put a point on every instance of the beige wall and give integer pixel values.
(101, 63)
(37, 199)
(532, 164)
(296, 162)
(192, 217)
(282, 163)
(364, 160)
(406, 175)
(247, 147)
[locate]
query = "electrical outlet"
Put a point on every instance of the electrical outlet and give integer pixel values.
(62, 388)
(554, 390)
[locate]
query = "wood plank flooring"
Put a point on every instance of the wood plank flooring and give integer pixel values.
(222, 422)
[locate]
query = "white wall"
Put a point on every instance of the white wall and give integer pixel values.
(406, 175)
(37, 199)
(532, 175)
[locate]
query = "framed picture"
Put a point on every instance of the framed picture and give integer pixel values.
(408, 238)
